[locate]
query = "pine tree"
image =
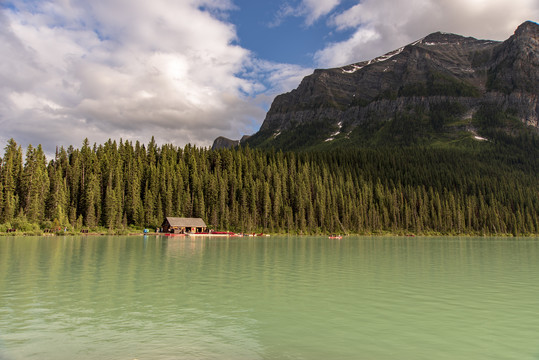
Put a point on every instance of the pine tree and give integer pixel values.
(92, 201)
(35, 184)
(11, 178)
(56, 203)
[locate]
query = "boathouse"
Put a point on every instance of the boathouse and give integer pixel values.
(177, 225)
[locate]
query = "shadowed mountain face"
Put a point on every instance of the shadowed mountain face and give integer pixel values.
(224, 143)
(440, 89)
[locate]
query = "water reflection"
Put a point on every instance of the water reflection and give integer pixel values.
(268, 298)
(115, 298)
(178, 246)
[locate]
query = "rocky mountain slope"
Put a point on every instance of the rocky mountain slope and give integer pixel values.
(225, 143)
(442, 88)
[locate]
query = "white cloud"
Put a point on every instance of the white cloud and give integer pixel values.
(311, 10)
(380, 26)
(122, 68)
(314, 9)
(278, 77)
(71, 69)
(359, 47)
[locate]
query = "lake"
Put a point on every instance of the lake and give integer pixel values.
(157, 297)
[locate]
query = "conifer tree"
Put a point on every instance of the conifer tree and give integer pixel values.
(35, 184)
(11, 177)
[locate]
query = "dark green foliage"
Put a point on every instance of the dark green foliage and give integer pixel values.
(489, 190)
(387, 94)
(440, 124)
(503, 77)
(481, 58)
(11, 175)
(436, 123)
(491, 116)
(443, 113)
(34, 184)
(303, 136)
(440, 84)
(503, 127)
(497, 83)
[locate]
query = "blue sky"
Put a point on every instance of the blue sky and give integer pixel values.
(271, 35)
(187, 71)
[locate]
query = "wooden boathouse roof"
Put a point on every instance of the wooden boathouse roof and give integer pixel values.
(186, 222)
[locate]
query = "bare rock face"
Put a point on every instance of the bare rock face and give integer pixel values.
(224, 143)
(438, 69)
(514, 72)
(515, 63)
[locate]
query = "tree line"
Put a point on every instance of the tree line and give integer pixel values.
(118, 185)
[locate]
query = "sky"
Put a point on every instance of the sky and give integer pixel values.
(188, 71)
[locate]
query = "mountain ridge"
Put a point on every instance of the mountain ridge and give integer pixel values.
(444, 82)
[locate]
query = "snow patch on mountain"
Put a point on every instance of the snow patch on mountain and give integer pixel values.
(350, 69)
(355, 68)
(332, 137)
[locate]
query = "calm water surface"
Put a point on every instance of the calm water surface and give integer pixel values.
(268, 298)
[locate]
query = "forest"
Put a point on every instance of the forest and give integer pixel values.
(121, 186)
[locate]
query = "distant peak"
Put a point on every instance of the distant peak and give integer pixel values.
(441, 38)
(439, 35)
(224, 143)
(527, 27)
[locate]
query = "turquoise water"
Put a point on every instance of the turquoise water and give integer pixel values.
(268, 298)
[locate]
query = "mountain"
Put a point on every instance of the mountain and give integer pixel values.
(225, 143)
(442, 89)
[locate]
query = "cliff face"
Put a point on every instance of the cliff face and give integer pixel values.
(515, 63)
(224, 143)
(513, 73)
(429, 78)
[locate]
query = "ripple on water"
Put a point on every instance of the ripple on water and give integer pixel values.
(272, 298)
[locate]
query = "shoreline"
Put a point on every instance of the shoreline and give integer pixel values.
(410, 235)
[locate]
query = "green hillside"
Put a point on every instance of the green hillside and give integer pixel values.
(442, 125)
(488, 187)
